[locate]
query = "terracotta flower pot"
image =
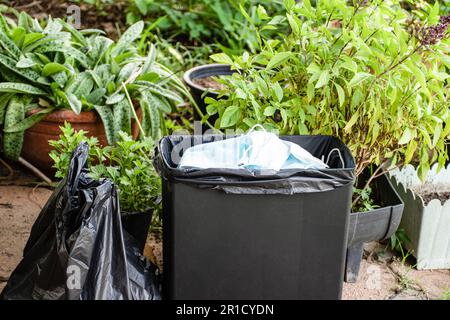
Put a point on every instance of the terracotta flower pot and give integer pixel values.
(36, 148)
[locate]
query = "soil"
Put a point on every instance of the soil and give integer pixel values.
(209, 83)
(19, 209)
(111, 19)
(441, 196)
(382, 275)
(434, 191)
(153, 250)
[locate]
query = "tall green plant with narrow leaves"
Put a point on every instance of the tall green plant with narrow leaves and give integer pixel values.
(55, 66)
(370, 73)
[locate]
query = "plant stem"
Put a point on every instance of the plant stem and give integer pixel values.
(132, 110)
(375, 175)
(389, 69)
(7, 166)
(35, 170)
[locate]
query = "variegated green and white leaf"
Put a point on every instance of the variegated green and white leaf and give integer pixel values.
(74, 103)
(106, 114)
(99, 46)
(4, 27)
(129, 36)
(28, 122)
(24, 21)
(25, 62)
(11, 65)
(10, 76)
(95, 96)
(9, 46)
(115, 98)
(127, 71)
(76, 54)
(162, 104)
(60, 78)
(122, 118)
(75, 33)
(151, 56)
(160, 90)
(4, 100)
(53, 27)
(12, 142)
(149, 105)
(12, 87)
(81, 85)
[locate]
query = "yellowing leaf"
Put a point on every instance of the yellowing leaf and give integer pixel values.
(358, 78)
(341, 94)
(323, 79)
(221, 58)
(406, 137)
(352, 121)
(437, 134)
(293, 24)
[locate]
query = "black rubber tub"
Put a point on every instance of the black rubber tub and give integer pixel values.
(229, 234)
(137, 225)
(375, 225)
(198, 92)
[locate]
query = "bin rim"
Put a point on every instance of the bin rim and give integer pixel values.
(240, 172)
(286, 181)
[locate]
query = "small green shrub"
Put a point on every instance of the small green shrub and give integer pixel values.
(228, 24)
(68, 141)
(372, 74)
(128, 164)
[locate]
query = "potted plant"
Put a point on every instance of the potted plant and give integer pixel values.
(426, 218)
(203, 84)
(254, 23)
(129, 165)
(53, 73)
(342, 71)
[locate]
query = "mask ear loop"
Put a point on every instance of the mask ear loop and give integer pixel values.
(340, 156)
(258, 125)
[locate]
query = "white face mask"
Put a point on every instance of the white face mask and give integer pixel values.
(254, 151)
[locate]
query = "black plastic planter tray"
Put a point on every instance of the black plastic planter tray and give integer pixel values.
(224, 245)
(375, 225)
(199, 93)
(137, 225)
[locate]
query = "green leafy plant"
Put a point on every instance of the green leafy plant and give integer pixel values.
(200, 24)
(58, 66)
(227, 24)
(132, 170)
(69, 140)
(370, 73)
(445, 295)
(398, 242)
(365, 201)
(128, 164)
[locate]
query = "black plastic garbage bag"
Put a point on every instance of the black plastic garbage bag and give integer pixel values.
(78, 250)
(242, 181)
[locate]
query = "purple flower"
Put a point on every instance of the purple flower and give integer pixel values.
(433, 34)
(445, 19)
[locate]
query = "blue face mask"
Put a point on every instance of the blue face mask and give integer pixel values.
(254, 151)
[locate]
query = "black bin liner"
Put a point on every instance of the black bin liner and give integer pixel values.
(77, 248)
(236, 234)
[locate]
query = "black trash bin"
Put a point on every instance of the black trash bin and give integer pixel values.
(231, 234)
